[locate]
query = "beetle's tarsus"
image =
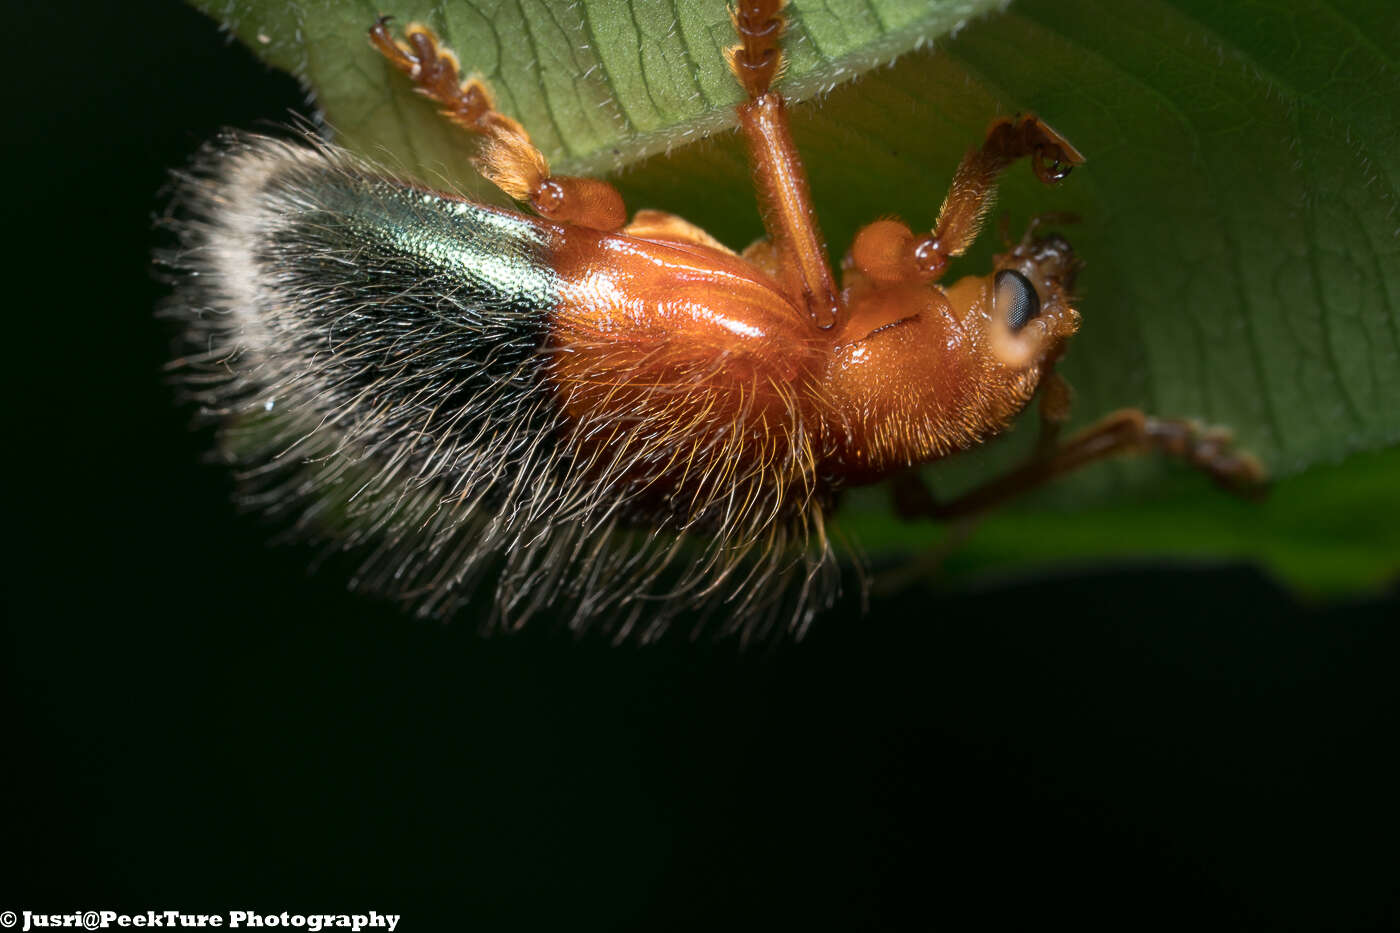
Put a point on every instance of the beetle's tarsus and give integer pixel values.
(757, 60)
(507, 157)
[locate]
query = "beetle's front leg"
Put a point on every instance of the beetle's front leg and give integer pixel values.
(910, 495)
(888, 251)
(507, 157)
(1056, 398)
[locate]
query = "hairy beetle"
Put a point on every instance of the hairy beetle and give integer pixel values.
(627, 419)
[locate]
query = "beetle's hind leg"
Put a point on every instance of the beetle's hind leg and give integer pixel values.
(507, 157)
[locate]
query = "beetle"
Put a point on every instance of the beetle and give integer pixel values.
(624, 419)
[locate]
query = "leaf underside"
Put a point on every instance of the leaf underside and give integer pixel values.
(1240, 222)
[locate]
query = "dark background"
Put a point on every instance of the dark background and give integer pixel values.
(202, 725)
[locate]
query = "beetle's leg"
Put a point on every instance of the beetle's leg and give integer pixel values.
(507, 157)
(974, 184)
(910, 495)
(762, 255)
(1127, 431)
(1056, 397)
(784, 198)
(659, 225)
(888, 251)
(927, 563)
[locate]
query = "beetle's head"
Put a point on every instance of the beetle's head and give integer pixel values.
(1029, 299)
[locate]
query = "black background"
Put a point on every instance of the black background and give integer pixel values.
(204, 726)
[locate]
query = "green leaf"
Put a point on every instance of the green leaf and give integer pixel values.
(1240, 217)
(599, 84)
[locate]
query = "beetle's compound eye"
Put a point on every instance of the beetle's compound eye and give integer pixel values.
(1015, 299)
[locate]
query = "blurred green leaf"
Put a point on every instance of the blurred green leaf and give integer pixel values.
(1241, 225)
(1325, 532)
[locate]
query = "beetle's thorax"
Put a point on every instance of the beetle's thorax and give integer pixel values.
(919, 370)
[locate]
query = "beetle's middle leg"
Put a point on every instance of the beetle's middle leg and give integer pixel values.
(507, 157)
(784, 199)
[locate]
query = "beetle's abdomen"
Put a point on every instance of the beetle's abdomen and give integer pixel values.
(470, 344)
(405, 316)
(684, 370)
(471, 393)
